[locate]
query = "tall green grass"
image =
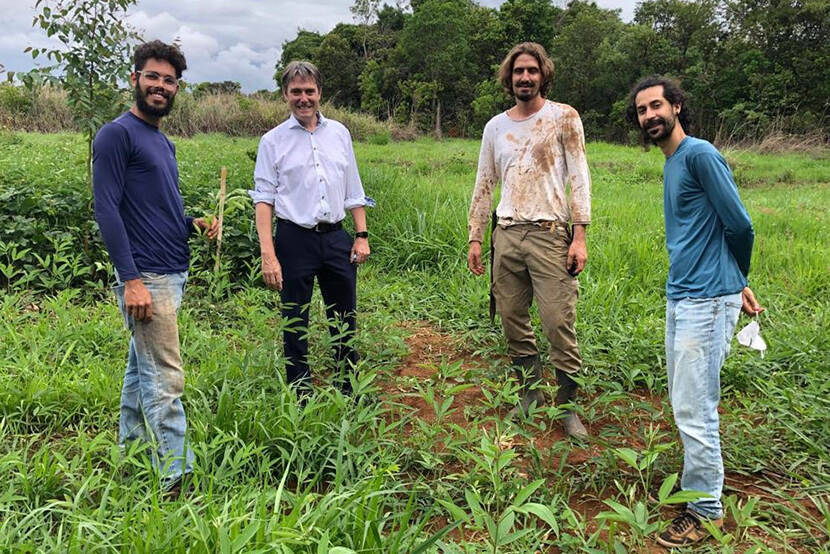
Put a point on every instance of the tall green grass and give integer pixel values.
(372, 476)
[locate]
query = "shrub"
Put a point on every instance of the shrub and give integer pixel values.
(45, 109)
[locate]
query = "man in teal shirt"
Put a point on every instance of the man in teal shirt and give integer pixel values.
(709, 237)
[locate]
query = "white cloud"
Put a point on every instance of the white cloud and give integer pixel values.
(237, 40)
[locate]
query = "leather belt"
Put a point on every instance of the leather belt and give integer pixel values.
(551, 225)
(321, 227)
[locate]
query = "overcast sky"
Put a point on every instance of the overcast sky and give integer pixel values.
(236, 40)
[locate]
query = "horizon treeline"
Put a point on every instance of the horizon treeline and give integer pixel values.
(751, 67)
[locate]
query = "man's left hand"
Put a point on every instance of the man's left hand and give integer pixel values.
(360, 251)
(750, 305)
(212, 226)
(577, 257)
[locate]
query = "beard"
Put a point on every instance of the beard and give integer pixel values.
(145, 107)
(532, 92)
(668, 127)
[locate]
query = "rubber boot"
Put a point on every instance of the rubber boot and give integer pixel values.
(528, 370)
(566, 395)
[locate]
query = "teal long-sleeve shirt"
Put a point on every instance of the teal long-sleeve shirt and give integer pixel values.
(709, 234)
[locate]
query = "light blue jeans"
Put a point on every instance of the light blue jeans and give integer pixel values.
(154, 378)
(698, 333)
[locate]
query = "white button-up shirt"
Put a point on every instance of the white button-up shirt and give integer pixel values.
(309, 177)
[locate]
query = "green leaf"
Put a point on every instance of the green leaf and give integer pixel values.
(627, 455)
(456, 512)
(666, 487)
(525, 493)
(542, 512)
(243, 538)
(682, 497)
(430, 541)
(506, 523)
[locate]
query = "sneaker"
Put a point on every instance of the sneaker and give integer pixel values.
(173, 492)
(686, 529)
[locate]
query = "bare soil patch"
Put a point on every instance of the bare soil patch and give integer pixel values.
(430, 350)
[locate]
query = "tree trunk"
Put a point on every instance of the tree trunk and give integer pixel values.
(89, 159)
(438, 120)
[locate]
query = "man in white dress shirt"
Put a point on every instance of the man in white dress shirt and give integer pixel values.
(306, 172)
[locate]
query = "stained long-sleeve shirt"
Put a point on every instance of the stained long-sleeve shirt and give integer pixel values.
(309, 177)
(536, 160)
(709, 235)
(138, 205)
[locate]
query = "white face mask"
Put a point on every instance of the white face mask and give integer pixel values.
(750, 336)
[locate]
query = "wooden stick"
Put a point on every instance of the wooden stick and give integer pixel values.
(223, 174)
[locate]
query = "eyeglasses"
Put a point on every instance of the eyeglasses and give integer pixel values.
(154, 77)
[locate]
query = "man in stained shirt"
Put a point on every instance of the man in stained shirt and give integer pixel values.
(709, 238)
(536, 150)
(306, 172)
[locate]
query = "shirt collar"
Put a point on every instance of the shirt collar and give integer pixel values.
(293, 122)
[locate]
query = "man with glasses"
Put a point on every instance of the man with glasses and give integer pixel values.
(140, 212)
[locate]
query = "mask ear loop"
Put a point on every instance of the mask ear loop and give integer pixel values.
(758, 321)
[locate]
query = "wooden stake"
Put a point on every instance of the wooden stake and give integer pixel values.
(223, 174)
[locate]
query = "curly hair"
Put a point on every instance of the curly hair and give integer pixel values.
(158, 50)
(672, 92)
(505, 75)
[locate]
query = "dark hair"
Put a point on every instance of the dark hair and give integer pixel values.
(302, 69)
(672, 92)
(158, 50)
(537, 51)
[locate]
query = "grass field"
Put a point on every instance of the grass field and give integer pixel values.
(426, 461)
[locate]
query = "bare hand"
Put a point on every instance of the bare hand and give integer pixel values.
(360, 251)
(577, 257)
(211, 224)
(271, 271)
(474, 258)
(138, 300)
(750, 306)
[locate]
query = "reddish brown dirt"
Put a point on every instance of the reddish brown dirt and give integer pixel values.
(429, 349)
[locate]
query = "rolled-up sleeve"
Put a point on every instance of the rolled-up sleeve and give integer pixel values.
(265, 174)
(355, 196)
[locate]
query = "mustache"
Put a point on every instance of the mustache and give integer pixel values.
(157, 90)
(528, 84)
(654, 122)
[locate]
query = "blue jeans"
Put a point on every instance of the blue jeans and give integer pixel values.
(698, 333)
(154, 378)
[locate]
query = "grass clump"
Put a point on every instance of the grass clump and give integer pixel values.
(426, 461)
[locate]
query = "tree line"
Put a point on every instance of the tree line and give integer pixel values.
(750, 66)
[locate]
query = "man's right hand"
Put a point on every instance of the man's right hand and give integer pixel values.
(474, 258)
(138, 300)
(271, 271)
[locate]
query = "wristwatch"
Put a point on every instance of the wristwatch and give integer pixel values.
(362, 235)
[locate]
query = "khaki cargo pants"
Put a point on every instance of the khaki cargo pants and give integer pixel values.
(530, 262)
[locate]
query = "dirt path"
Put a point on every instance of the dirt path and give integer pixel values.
(442, 360)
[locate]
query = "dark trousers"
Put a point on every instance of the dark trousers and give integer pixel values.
(305, 254)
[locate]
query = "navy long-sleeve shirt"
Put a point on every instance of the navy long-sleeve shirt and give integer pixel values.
(138, 204)
(709, 234)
